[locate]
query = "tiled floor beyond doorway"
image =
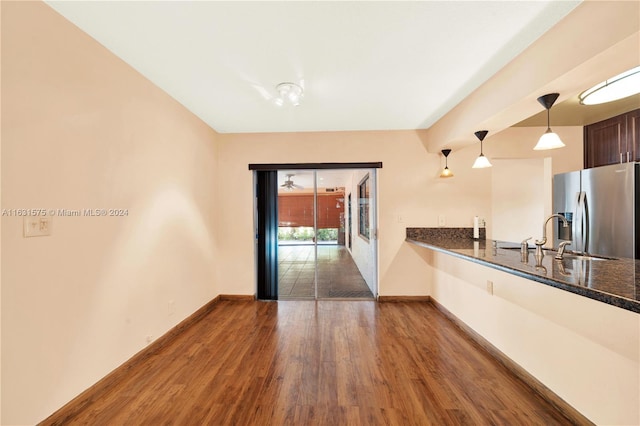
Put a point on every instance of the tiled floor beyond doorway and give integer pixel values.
(338, 275)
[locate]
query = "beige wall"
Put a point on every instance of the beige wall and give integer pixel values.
(404, 187)
(522, 197)
(81, 129)
(518, 142)
(1, 61)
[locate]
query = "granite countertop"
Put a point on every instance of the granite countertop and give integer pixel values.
(615, 282)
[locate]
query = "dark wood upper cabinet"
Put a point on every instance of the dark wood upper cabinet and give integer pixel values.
(612, 141)
(633, 133)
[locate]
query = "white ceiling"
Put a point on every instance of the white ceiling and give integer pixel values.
(364, 65)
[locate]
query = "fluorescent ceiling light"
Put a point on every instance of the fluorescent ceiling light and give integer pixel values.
(618, 87)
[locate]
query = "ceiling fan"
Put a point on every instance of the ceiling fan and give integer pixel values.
(289, 185)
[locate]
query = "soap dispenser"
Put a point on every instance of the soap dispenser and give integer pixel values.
(524, 251)
(476, 228)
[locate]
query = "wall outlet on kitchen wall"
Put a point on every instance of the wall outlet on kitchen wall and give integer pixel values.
(489, 287)
(442, 220)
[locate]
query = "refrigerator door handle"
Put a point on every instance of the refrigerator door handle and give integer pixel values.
(584, 222)
(576, 224)
(579, 223)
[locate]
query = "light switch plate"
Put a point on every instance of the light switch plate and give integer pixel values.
(36, 226)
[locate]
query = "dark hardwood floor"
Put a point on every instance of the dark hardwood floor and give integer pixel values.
(322, 363)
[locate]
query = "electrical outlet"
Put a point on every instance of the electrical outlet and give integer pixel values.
(442, 220)
(36, 226)
(489, 287)
(400, 218)
(149, 338)
(171, 307)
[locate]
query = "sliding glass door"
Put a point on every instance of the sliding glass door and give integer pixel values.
(296, 234)
(326, 235)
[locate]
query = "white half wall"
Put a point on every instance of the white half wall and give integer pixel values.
(585, 351)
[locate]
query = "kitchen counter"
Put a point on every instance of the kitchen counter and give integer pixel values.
(615, 282)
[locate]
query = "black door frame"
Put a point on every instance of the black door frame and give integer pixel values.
(267, 239)
(266, 180)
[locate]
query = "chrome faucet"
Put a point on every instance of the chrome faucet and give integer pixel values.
(539, 243)
(561, 249)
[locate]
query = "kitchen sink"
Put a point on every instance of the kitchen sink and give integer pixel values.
(567, 254)
(571, 256)
(586, 256)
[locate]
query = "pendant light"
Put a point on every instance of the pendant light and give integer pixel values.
(446, 173)
(549, 140)
(481, 162)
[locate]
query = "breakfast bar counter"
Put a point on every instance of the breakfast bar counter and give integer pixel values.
(612, 281)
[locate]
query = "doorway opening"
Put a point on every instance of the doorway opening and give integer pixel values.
(326, 245)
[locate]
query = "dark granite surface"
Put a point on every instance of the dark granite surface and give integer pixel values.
(615, 282)
(444, 234)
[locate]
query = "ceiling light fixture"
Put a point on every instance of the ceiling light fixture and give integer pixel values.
(288, 92)
(618, 87)
(481, 162)
(446, 173)
(549, 140)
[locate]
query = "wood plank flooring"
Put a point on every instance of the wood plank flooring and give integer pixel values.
(320, 363)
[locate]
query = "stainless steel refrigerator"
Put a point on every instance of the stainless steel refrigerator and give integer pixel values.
(602, 207)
